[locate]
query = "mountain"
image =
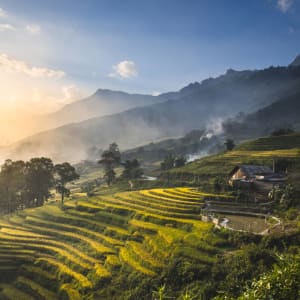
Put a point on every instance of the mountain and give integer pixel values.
(103, 102)
(296, 62)
(197, 106)
(283, 113)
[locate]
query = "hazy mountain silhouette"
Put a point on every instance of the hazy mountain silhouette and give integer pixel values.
(196, 106)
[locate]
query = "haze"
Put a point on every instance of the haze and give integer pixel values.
(52, 54)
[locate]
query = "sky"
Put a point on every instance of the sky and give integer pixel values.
(55, 52)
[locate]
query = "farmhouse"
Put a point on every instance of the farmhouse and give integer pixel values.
(255, 176)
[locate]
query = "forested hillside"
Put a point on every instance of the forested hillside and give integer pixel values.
(196, 106)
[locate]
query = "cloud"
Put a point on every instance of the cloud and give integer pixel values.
(284, 5)
(124, 69)
(2, 12)
(33, 29)
(156, 93)
(13, 65)
(6, 27)
(71, 93)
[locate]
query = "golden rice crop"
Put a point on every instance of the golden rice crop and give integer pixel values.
(97, 246)
(112, 260)
(126, 256)
(43, 292)
(63, 269)
(101, 271)
(71, 292)
(143, 254)
(12, 293)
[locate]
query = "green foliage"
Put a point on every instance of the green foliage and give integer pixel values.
(168, 162)
(282, 131)
(65, 173)
(171, 162)
(160, 294)
(229, 143)
(180, 161)
(25, 184)
(282, 283)
(39, 177)
(284, 195)
(132, 170)
(110, 159)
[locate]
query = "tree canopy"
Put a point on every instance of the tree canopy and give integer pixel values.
(28, 184)
(64, 173)
(110, 158)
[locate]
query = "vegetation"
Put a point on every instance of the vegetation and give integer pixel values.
(28, 184)
(148, 243)
(135, 245)
(172, 162)
(283, 282)
(109, 159)
(284, 150)
(282, 131)
(65, 174)
(229, 143)
(132, 170)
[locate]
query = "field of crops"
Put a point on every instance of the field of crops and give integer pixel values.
(70, 253)
(261, 151)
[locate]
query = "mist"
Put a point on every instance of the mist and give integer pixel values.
(132, 120)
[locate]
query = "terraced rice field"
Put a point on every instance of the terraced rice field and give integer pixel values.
(261, 151)
(50, 253)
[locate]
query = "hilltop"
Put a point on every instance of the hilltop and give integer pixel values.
(193, 107)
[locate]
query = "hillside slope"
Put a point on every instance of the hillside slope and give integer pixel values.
(103, 102)
(284, 113)
(261, 151)
(79, 252)
(197, 106)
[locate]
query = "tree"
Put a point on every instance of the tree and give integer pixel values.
(219, 184)
(282, 283)
(39, 180)
(132, 169)
(12, 184)
(180, 161)
(110, 159)
(168, 163)
(286, 196)
(282, 131)
(229, 143)
(64, 173)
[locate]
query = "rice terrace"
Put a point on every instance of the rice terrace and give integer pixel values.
(84, 245)
(150, 150)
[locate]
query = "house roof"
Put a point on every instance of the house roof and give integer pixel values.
(252, 170)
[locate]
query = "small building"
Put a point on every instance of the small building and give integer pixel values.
(255, 176)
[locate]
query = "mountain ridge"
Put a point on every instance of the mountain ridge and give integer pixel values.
(192, 107)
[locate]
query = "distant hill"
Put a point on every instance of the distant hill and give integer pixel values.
(283, 113)
(192, 146)
(197, 106)
(103, 102)
(296, 62)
